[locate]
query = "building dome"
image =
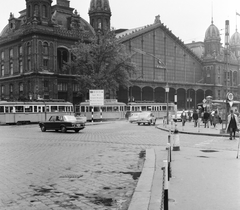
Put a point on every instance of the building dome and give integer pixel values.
(5, 31)
(99, 5)
(235, 39)
(100, 15)
(212, 33)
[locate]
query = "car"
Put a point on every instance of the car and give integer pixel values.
(81, 118)
(146, 117)
(133, 117)
(179, 119)
(62, 123)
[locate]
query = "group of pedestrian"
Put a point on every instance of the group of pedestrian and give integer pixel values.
(206, 117)
(213, 119)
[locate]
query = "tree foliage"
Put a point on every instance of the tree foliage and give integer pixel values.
(103, 63)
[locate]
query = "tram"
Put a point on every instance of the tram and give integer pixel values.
(32, 111)
(159, 109)
(112, 109)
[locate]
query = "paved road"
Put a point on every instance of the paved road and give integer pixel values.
(97, 168)
(94, 169)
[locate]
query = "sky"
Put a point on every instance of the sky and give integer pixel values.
(187, 19)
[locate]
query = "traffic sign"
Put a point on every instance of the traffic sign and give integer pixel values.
(96, 97)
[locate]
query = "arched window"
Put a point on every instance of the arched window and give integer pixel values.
(36, 10)
(62, 57)
(29, 50)
(45, 48)
(44, 11)
(29, 11)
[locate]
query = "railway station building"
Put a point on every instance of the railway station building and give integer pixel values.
(35, 45)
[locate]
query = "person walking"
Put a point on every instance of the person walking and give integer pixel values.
(195, 118)
(206, 117)
(215, 119)
(184, 117)
(232, 125)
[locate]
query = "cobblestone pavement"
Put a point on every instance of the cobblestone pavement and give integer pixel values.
(97, 168)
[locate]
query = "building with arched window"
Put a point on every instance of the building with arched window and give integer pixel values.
(34, 47)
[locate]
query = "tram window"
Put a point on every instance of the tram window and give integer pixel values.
(35, 109)
(28, 109)
(68, 108)
(54, 108)
(109, 109)
(96, 109)
(1, 109)
(82, 109)
(39, 109)
(8, 109)
(164, 108)
(149, 108)
(144, 108)
(115, 108)
(104, 109)
(19, 108)
(61, 108)
(47, 109)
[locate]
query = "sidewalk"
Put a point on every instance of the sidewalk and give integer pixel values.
(200, 181)
(200, 130)
(208, 180)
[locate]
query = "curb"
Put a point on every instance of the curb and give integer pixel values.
(142, 194)
(196, 133)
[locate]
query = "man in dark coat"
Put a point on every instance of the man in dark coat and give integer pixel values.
(232, 126)
(195, 118)
(206, 117)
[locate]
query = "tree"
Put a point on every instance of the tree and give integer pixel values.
(103, 63)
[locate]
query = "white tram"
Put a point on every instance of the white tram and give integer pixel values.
(32, 111)
(112, 109)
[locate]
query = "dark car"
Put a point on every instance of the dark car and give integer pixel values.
(62, 123)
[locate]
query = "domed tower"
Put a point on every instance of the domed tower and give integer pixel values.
(235, 44)
(100, 14)
(212, 41)
(38, 11)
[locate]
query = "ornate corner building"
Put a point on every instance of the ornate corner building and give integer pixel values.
(34, 47)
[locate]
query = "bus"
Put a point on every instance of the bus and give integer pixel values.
(159, 109)
(112, 109)
(32, 111)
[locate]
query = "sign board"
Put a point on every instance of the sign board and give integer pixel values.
(96, 97)
(230, 96)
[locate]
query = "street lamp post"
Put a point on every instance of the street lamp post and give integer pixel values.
(167, 91)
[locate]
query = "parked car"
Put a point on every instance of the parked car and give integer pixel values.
(133, 117)
(146, 118)
(179, 119)
(62, 123)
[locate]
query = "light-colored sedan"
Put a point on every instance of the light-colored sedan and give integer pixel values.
(146, 118)
(133, 117)
(179, 119)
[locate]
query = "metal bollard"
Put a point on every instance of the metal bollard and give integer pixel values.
(169, 161)
(176, 141)
(165, 165)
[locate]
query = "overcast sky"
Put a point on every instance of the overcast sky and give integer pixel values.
(187, 19)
